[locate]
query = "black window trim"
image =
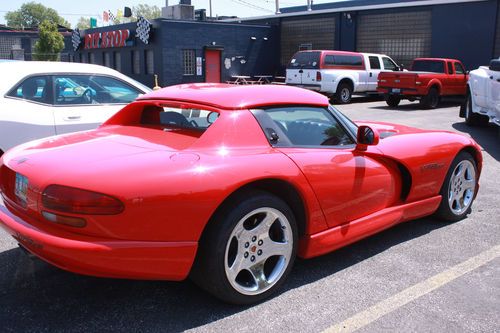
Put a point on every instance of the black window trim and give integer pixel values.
(264, 119)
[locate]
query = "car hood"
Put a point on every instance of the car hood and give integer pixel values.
(387, 129)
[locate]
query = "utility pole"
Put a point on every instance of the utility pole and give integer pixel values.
(210, 6)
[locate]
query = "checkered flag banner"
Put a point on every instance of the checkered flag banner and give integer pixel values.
(111, 16)
(143, 29)
(76, 39)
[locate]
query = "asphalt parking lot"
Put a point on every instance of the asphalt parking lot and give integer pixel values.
(422, 275)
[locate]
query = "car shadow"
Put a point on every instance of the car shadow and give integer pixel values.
(35, 296)
(415, 106)
(487, 136)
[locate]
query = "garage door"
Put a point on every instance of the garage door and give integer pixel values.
(317, 34)
(403, 36)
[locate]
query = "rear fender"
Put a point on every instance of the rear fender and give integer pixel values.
(434, 83)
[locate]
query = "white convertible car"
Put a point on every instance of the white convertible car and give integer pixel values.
(40, 99)
(482, 103)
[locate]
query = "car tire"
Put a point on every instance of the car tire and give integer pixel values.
(459, 188)
(393, 101)
(248, 249)
(431, 100)
(344, 93)
(472, 118)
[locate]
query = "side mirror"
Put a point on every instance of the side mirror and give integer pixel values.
(366, 136)
(401, 67)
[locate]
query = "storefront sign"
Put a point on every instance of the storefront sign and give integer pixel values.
(99, 40)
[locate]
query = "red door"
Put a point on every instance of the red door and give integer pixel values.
(212, 66)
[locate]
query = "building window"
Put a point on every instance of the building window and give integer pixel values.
(136, 62)
(92, 58)
(117, 61)
(149, 63)
(189, 62)
(107, 59)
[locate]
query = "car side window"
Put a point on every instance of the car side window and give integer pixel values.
(459, 69)
(77, 89)
(389, 64)
(34, 88)
(450, 68)
(374, 62)
(309, 126)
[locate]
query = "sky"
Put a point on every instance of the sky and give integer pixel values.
(72, 10)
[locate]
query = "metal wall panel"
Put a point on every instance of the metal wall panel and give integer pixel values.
(314, 33)
(402, 35)
(497, 35)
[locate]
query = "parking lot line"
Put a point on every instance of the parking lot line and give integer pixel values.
(375, 312)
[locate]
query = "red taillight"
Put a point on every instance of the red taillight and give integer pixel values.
(318, 76)
(76, 201)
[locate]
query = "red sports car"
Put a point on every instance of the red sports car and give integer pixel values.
(226, 184)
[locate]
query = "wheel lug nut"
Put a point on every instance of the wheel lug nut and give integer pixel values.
(254, 238)
(245, 255)
(261, 242)
(252, 258)
(259, 252)
(247, 244)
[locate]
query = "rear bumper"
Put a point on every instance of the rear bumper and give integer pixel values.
(103, 257)
(400, 91)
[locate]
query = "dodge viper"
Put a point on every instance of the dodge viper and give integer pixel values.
(226, 184)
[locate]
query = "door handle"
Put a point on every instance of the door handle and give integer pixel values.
(498, 80)
(301, 71)
(371, 74)
(72, 117)
(491, 77)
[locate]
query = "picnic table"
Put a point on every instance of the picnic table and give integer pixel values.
(263, 79)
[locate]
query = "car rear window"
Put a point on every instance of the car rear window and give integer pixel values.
(305, 60)
(434, 66)
(171, 118)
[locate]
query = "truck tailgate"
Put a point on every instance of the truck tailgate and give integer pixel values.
(397, 80)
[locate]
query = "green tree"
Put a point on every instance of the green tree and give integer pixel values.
(146, 11)
(31, 14)
(51, 42)
(83, 23)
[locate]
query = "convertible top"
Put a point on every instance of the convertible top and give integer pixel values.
(230, 96)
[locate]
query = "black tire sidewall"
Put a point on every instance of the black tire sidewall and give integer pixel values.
(209, 269)
(444, 211)
(341, 87)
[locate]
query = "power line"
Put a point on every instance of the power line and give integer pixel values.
(250, 5)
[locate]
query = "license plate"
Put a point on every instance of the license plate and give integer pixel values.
(396, 90)
(21, 189)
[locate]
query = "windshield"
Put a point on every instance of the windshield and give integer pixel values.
(434, 66)
(305, 60)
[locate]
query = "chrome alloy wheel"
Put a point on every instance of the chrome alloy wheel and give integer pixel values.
(461, 187)
(345, 95)
(258, 251)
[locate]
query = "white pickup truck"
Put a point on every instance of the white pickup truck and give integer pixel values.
(482, 102)
(338, 74)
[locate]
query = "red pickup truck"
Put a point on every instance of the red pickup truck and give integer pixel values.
(428, 80)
